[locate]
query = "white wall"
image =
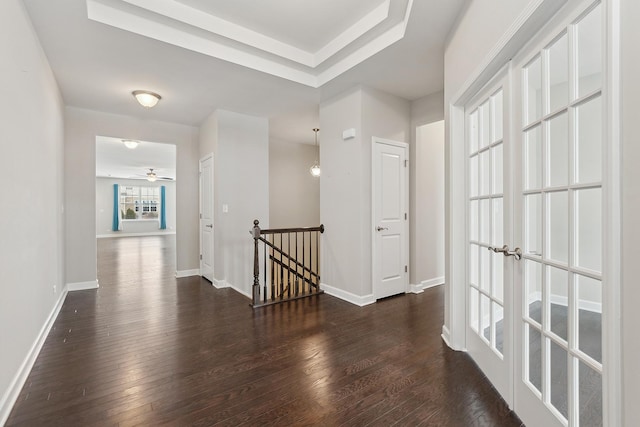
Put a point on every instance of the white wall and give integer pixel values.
(81, 128)
(345, 185)
(31, 218)
(240, 144)
(341, 192)
(427, 251)
(104, 207)
(481, 26)
(294, 195)
(630, 209)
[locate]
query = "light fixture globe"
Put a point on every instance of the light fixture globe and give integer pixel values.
(145, 98)
(130, 143)
(151, 176)
(315, 169)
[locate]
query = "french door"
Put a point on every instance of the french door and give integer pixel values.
(559, 216)
(535, 151)
(489, 302)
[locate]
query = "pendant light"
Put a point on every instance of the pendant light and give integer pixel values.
(315, 169)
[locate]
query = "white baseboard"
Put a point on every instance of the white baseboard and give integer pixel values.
(82, 286)
(187, 273)
(446, 336)
(219, 283)
(592, 306)
(426, 284)
(348, 296)
(12, 393)
(125, 234)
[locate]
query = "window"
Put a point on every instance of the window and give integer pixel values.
(139, 203)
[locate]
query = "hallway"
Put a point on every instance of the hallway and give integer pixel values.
(149, 349)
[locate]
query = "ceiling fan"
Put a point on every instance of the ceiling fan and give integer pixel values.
(152, 176)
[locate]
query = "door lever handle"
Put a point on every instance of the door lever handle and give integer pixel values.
(516, 253)
(502, 250)
(209, 225)
(381, 228)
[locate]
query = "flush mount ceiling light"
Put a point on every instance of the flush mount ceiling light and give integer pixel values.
(151, 175)
(145, 98)
(130, 143)
(315, 169)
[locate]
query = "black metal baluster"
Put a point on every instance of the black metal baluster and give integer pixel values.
(303, 273)
(281, 271)
(264, 256)
(273, 271)
(288, 265)
(317, 271)
(297, 268)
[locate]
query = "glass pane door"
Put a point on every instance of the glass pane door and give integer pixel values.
(560, 206)
(488, 339)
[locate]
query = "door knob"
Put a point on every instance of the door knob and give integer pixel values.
(381, 228)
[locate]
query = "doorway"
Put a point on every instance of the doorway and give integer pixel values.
(136, 202)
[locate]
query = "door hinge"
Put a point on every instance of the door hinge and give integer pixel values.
(405, 163)
(406, 268)
(200, 257)
(405, 216)
(200, 216)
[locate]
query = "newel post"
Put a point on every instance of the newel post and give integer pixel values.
(255, 232)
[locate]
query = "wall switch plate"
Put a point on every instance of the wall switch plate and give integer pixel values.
(225, 208)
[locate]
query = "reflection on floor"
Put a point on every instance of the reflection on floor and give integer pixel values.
(589, 342)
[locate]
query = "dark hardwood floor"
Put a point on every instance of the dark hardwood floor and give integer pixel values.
(149, 349)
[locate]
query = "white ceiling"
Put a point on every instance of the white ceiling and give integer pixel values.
(114, 160)
(97, 65)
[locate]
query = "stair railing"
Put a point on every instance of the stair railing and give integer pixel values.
(290, 264)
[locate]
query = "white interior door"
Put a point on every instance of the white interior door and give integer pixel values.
(206, 217)
(559, 223)
(390, 221)
(489, 290)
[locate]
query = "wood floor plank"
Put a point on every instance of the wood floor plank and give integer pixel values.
(149, 349)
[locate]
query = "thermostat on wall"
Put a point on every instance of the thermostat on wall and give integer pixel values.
(349, 134)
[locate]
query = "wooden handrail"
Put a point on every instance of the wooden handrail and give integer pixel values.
(319, 228)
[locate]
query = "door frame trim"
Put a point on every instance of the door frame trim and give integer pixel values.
(405, 146)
